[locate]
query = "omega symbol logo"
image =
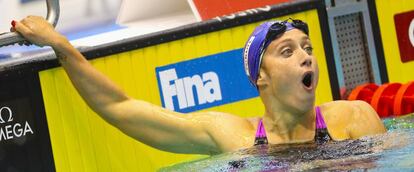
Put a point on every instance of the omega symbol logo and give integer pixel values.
(4, 111)
(10, 130)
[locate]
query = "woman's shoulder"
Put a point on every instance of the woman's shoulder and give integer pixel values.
(345, 110)
(349, 118)
(343, 106)
(336, 115)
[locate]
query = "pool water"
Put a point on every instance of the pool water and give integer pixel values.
(393, 151)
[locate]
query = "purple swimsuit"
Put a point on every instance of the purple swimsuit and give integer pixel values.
(321, 133)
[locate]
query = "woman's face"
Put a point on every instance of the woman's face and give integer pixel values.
(290, 71)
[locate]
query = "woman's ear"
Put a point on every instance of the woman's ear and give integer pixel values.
(262, 79)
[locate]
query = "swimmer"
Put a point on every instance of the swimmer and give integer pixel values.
(278, 60)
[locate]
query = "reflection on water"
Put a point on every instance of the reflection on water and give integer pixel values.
(391, 151)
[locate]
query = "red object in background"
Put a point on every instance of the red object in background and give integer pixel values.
(383, 99)
(363, 92)
(404, 99)
(208, 9)
(404, 26)
(393, 99)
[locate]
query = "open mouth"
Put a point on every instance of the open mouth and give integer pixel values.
(307, 80)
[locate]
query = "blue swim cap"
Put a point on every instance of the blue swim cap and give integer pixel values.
(259, 40)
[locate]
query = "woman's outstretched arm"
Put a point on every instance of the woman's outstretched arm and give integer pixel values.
(148, 123)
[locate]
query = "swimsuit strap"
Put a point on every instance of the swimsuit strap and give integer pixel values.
(320, 122)
(260, 134)
(321, 131)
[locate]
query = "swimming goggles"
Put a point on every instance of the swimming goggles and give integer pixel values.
(279, 27)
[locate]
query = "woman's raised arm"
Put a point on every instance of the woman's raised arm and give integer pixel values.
(148, 123)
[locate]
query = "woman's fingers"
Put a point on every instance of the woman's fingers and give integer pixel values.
(24, 30)
(27, 28)
(37, 31)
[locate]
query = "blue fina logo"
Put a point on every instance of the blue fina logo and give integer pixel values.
(204, 82)
(207, 88)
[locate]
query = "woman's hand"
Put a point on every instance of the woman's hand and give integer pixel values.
(38, 31)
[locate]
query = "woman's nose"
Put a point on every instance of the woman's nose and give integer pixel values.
(306, 62)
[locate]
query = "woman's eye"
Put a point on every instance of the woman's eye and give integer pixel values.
(309, 50)
(287, 52)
